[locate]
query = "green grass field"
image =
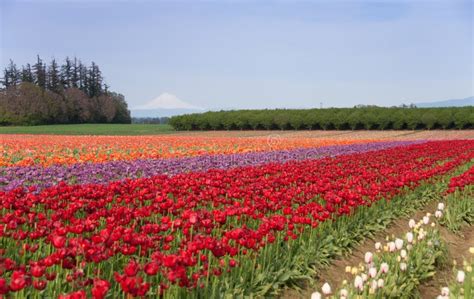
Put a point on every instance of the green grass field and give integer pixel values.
(90, 129)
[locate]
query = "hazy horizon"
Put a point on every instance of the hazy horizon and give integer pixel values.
(245, 54)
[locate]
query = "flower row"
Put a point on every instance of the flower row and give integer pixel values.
(461, 181)
(46, 150)
(397, 266)
(100, 173)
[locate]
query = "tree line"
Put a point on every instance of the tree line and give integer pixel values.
(54, 93)
(357, 118)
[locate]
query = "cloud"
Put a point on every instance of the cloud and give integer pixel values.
(167, 101)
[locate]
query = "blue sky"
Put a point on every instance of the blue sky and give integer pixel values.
(256, 54)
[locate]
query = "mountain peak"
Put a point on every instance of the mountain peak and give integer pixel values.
(167, 100)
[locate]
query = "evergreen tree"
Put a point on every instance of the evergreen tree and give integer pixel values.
(39, 72)
(11, 75)
(83, 78)
(95, 81)
(67, 73)
(27, 74)
(54, 82)
(75, 74)
(6, 79)
(15, 73)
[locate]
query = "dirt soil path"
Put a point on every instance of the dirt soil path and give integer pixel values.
(340, 135)
(458, 246)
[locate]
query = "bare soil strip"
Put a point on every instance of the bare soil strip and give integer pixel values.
(458, 246)
(357, 135)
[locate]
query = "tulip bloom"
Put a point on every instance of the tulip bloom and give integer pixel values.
(378, 246)
(391, 246)
(100, 288)
(380, 283)
(398, 244)
(368, 257)
(359, 283)
(441, 206)
(409, 237)
(326, 289)
(403, 266)
(460, 276)
(403, 254)
(372, 272)
(384, 268)
(426, 220)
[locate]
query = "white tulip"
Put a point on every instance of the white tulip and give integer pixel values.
(441, 206)
(438, 214)
(399, 244)
(403, 267)
(326, 289)
(380, 283)
(426, 220)
(373, 285)
(421, 235)
(368, 257)
(316, 295)
(344, 293)
(359, 283)
(460, 277)
(378, 245)
(364, 277)
(409, 237)
(391, 246)
(372, 272)
(411, 223)
(403, 253)
(445, 291)
(384, 268)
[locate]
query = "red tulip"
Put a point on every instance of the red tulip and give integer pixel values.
(131, 269)
(100, 288)
(3, 286)
(17, 281)
(58, 241)
(151, 268)
(39, 284)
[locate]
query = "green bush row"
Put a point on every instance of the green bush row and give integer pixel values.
(373, 118)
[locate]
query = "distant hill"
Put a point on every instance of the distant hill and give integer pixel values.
(448, 103)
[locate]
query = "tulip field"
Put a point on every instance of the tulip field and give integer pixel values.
(204, 216)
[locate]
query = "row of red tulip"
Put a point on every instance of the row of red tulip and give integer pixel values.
(461, 181)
